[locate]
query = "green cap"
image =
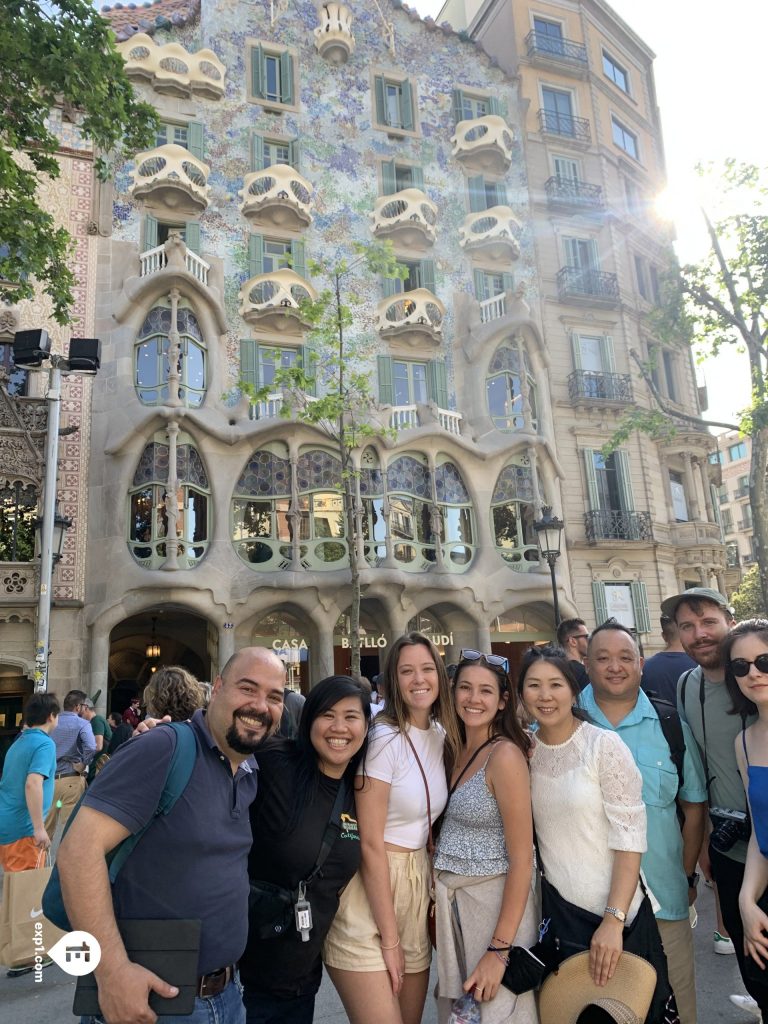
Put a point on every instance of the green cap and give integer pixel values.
(670, 605)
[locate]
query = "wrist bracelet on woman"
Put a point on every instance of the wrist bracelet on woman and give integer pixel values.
(499, 953)
(393, 946)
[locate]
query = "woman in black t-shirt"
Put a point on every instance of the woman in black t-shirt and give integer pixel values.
(299, 783)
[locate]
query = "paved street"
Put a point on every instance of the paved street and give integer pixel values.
(24, 1002)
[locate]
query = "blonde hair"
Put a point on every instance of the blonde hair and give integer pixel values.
(173, 691)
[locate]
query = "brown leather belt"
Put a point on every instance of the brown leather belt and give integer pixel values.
(212, 984)
(66, 775)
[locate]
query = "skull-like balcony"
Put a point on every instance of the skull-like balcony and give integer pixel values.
(169, 176)
(273, 301)
(277, 197)
(412, 317)
(171, 70)
(484, 144)
(493, 232)
(333, 36)
(407, 217)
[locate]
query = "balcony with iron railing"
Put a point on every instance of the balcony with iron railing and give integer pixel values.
(277, 196)
(565, 126)
(408, 217)
(494, 232)
(171, 70)
(273, 301)
(614, 524)
(745, 525)
(563, 52)
(406, 417)
(741, 492)
(413, 317)
(587, 386)
(572, 194)
(484, 144)
(171, 176)
(593, 286)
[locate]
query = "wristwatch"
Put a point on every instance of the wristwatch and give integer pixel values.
(693, 880)
(618, 914)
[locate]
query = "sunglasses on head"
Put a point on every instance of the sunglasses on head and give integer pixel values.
(495, 660)
(741, 667)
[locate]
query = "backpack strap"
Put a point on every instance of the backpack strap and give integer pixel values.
(672, 728)
(682, 687)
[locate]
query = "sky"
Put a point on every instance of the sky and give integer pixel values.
(709, 68)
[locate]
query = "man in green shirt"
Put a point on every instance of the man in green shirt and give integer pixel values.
(102, 733)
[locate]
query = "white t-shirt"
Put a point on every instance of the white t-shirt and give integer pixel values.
(390, 759)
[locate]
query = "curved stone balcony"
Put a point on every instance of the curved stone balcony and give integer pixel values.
(333, 36)
(277, 196)
(483, 144)
(171, 177)
(494, 231)
(170, 69)
(412, 317)
(407, 217)
(274, 300)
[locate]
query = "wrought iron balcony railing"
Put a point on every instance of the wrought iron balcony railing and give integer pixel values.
(541, 45)
(594, 386)
(613, 524)
(741, 492)
(567, 192)
(553, 123)
(577, 282)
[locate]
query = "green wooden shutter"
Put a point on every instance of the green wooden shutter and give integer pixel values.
(480, 292)
(388, 178)
(255, 255)
(591, 474)
(406, 105)
(150, 232)
(390, 286)
(294, 154)
(249, 362)
(427, 274)
(476, 186)
(458, 106)
(310, 368)
(437, 383)
(640, 602)
(508, 282)
(196, 139)
(417, 177)
(298, 258)
(500, 191)
(257, 152)
(576, 350)
(386, 384)
(601, 605)
(286, 77)
(192, 235)
(494, 107)
(381, 106)
(624, 480)
(606, 350)
(257, 71)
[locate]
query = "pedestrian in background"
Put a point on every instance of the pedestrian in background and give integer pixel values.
(75, 749)
(121, 731)
(173, 692)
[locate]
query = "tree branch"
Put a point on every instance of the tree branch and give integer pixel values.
(665, 407)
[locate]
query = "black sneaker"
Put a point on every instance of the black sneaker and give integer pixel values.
(17, 972)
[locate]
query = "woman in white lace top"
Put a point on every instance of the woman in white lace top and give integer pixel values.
(587, 807)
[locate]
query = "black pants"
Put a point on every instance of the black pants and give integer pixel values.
(729, 874)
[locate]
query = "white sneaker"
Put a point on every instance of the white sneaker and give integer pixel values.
(746, 1003)
(722, 945)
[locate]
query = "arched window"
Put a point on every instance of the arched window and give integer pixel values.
(322, 527)
(456, 508)
(148, 510)
(513, 513)
(261, 527)
(506, 387)
(372, 496)
(151, 359)
(409, 492)
(18, 510)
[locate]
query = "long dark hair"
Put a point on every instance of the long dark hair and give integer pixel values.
(557, 658)
(506, 722)
(323, 696)
(741, 705)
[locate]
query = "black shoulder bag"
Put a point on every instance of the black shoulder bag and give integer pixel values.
(271, 908)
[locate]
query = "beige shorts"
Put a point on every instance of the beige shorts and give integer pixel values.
(354, 943)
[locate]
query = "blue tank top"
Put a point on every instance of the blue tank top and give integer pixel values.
(758, 798)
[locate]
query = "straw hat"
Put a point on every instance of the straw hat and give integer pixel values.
(626, 998)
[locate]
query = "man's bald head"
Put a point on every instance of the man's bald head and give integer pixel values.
(255, 656)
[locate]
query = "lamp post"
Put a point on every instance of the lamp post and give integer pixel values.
(549, 530)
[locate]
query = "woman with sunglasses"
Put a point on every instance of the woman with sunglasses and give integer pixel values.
(485, 852)
(378, 951)
(745, 657)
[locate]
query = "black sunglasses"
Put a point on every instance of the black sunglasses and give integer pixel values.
(496, 660)
(740, 666)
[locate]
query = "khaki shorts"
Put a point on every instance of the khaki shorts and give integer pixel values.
(354, 943)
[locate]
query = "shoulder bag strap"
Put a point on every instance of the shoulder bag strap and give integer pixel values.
(329, 836)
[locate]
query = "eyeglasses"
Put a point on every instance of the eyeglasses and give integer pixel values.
(495, 660)
(581, 636)
(740, 666)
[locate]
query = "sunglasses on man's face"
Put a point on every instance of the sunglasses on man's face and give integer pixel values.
(495, 660)
(740, 666)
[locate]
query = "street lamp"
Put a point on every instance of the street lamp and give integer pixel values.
(30, 348)
(60, 526)
(549, 530)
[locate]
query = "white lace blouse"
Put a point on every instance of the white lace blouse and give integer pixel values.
(587, 803)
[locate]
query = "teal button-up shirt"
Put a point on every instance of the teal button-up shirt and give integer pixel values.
(662, 864)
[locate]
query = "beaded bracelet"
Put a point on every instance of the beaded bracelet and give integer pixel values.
(393, 946)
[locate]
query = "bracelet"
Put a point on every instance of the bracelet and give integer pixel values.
(504, 959)
(393, 946)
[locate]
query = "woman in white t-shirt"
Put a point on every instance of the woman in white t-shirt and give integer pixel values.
(378, 951)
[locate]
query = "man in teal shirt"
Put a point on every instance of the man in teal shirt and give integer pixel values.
(615, 701)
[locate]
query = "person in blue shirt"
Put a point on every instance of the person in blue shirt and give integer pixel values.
(26, 788)
(662, 671)
(615, 701)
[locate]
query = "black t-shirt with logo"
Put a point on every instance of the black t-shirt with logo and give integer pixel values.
(286, 967)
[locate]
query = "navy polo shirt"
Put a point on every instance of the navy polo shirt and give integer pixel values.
(193, 861)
